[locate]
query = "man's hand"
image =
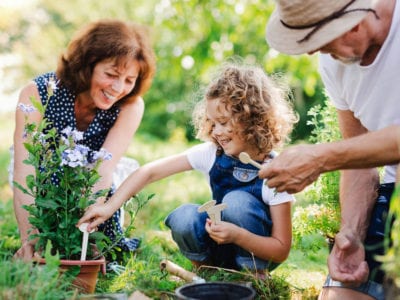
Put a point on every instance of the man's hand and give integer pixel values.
(346, 262)
(292, 170)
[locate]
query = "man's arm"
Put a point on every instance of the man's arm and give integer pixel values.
(372, 149)
(298, 166)
(357, 197)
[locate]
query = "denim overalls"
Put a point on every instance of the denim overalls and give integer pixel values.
(237, 185)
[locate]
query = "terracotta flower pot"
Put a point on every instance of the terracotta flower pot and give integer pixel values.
(87, 278)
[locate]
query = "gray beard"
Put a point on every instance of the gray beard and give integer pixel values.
(349, 60)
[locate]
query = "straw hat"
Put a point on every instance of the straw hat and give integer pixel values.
(301, 26)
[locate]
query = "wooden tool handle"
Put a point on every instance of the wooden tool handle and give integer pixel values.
(255, 164)
(176, 270)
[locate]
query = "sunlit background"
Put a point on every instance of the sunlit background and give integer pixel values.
(191, 38)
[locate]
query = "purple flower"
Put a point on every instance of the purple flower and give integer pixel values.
(76, 157)
(67, 131)
(51, 86)
(26, 108)
(102, 154)
(77, 135)
(84, 150)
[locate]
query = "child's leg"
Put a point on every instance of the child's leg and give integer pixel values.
(248, 212)
(188, 231)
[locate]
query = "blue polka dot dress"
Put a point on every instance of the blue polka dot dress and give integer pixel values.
(60, 111)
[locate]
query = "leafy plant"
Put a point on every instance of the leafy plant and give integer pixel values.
(132, 207)
(391, 262)
(313, 224)
(322, 216)
(65, 173)
(9, 242)
(21, 280)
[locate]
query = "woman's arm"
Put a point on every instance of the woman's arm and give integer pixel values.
(22, 170)
(275, 248)
(118, 139)
(153, 171)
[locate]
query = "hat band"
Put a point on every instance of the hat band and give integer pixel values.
(321, 23)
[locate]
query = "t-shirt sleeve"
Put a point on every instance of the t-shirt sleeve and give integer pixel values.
(270, 197)
(201, 157)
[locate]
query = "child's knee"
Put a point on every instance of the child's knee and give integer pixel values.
(185, 219)
(239, 205)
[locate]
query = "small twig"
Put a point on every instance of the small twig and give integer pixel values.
(226, 270)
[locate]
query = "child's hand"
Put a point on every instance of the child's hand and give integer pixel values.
(95, 215)
(223, 232)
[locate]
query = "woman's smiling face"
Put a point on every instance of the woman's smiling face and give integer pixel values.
(111, 82)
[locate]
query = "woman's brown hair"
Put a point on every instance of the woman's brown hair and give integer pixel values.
(107, 39)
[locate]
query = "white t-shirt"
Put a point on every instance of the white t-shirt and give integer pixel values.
(371, 92)
(202, 157)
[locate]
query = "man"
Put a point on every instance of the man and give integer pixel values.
(359, 42)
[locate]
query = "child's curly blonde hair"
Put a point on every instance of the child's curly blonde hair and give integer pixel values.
(260, 110)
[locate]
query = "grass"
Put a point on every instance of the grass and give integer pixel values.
(300, 277)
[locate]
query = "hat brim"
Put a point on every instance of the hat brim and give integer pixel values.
(286, 40)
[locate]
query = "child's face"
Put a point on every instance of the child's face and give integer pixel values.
(223, 131)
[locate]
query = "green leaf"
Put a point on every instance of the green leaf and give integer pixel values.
(37, 104)
(20, 187)
(31, 182)
(46, 203)
(51, 260)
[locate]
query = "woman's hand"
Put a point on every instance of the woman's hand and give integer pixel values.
(223, 232)
(26, 251)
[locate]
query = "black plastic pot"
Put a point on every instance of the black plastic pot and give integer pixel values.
(215, 291)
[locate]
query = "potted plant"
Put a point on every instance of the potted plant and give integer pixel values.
(65, 173)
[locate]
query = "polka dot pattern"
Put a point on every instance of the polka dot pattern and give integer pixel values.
(60, 111)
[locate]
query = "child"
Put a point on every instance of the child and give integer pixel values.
(243, 110)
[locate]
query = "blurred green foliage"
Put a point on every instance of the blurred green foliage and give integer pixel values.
(191, 37)
(317, 217)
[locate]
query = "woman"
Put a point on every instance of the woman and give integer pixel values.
(101, 77)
